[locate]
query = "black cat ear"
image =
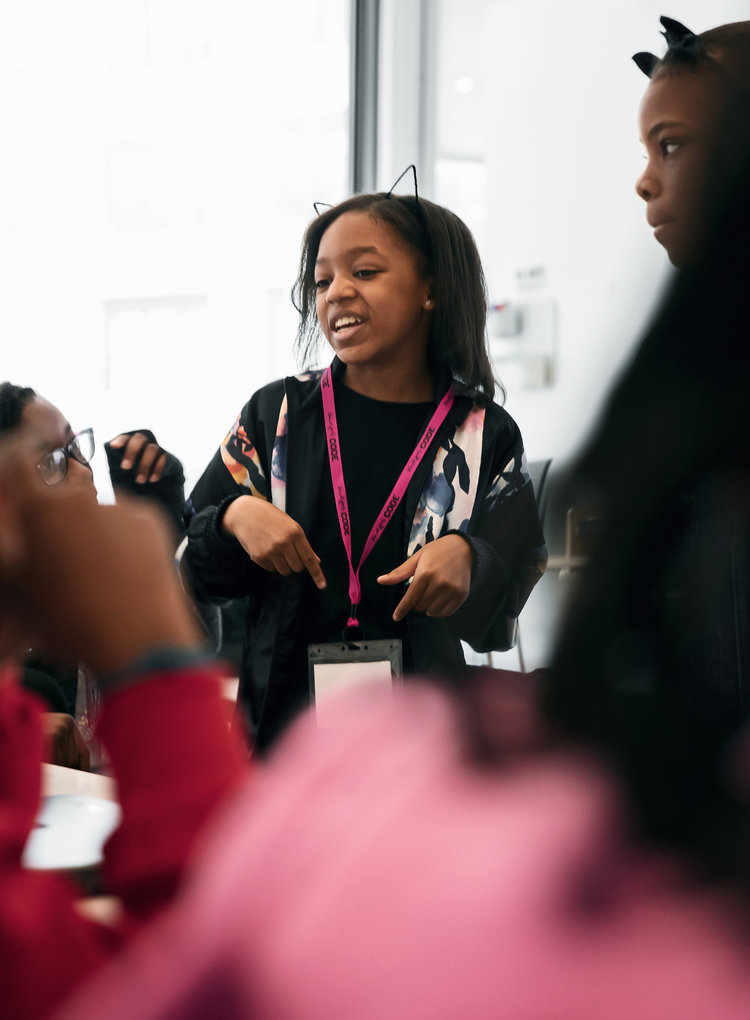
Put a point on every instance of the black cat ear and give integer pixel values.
(417, 204)
(646, 62)
(401, 176)
(323, 205)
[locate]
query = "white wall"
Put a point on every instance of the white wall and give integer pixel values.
(540, 157)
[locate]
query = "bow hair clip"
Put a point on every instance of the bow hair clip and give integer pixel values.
(681, 42)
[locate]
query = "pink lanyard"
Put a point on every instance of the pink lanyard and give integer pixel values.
(339, 488)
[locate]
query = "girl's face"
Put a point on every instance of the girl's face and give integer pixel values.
(55, 432)
(679, 123)
(373, 304)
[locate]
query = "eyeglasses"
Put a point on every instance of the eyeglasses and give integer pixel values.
(53, 466)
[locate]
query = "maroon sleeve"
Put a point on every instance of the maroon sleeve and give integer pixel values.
(44, 944)
(174, 756)
(174, 759)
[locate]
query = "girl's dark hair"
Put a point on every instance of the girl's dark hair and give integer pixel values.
(725, 49)
(446, 254)
(13, 399)
(652, 666)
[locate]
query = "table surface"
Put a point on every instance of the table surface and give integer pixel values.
(56, 780)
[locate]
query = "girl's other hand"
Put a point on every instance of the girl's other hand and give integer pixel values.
(271, 538)
(441, 577)
(140, 455)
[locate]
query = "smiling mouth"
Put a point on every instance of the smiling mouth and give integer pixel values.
(346, 322)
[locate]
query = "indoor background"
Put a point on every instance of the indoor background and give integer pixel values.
(161, 159)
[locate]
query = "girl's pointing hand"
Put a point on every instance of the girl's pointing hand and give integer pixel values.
(440, 574)
(271, 538)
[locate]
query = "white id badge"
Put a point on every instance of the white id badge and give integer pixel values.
(335, 667)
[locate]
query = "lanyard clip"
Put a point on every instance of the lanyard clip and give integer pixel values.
(352, 631)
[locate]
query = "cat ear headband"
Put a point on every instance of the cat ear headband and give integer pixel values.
(682, 44)
(411, 166)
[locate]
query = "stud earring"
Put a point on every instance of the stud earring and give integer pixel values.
(428, 302)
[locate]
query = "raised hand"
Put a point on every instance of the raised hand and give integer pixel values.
(141, 454)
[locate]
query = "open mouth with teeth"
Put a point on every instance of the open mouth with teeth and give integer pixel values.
(346, 322)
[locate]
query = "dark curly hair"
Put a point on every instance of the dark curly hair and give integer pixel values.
(446, 254)
(13, 399)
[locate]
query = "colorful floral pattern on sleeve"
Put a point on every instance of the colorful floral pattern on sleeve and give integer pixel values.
(447, 501)
(513, 477)
(242, 461)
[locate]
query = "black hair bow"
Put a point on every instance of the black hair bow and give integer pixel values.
(680, 39)
(681, 42)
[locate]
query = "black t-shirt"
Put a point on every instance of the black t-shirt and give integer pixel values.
(376, 438)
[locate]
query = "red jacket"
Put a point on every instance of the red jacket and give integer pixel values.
(168, 786)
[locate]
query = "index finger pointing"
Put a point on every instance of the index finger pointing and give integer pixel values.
(409, 601)
(403, 572)
(311, 562)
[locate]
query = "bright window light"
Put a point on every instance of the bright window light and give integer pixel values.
(161, 160)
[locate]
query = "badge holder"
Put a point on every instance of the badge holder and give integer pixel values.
(336, 666)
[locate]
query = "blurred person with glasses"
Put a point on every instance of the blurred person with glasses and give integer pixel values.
(53, 466)
(138, 465)
(66, 690)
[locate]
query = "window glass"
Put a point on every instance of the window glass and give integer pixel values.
(161, 158)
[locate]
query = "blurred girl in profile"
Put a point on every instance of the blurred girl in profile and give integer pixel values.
(387, 496)
(681, 117)
(694, 126)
